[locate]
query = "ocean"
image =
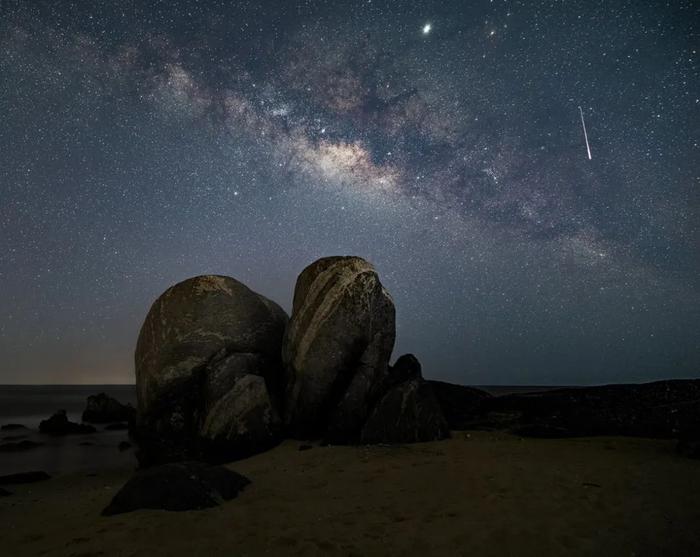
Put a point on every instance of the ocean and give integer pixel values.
(29, 404)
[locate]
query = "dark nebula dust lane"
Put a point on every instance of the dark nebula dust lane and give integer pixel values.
(442, 141)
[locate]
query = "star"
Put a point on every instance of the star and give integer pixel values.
(456, 170)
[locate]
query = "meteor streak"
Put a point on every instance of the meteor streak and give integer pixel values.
(585, 135)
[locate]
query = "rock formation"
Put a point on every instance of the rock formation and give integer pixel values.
(461, 405)
(177, 487)
(336, 348)
(102, 408)
(58, 424)
(408, 412)
(221, 372)
(208, 372)
(663, 409)
(18, 446)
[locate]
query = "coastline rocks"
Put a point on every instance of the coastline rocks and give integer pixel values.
(208, 372)
(336, 348)
(24, 478)
(661, 409)
(102, 409)
(178, 486)
(58, 424)
(461, 405)
(409, 412)
(12, 427)
(18, 446)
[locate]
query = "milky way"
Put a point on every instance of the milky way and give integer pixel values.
(441, 141)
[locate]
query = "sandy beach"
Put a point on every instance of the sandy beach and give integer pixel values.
(479, 493)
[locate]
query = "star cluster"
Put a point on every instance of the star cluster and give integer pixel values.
(440, 140)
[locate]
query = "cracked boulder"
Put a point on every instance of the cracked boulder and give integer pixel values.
(209, 378)
(336, 349)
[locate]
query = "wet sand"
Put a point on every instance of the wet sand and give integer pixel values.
(479, 493)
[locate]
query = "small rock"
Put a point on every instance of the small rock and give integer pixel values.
(19, 446)
(24, 478)
(58, 424)
(12, 427)
(177, 487)
(4, 492)
(102, 408)
(123, 446)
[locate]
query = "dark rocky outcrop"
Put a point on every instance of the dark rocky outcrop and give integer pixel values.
(4, 492)
(336, 349)
(208, 373)
(24, 478)
(18, 446)
(461, 405)
(12, 427)
(177, 487)
(408, 412)
(102, 408)
(660, 409)
(58, 424)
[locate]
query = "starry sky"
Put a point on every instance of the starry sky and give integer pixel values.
(142, 143)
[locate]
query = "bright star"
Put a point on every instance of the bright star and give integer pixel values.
(427, 28)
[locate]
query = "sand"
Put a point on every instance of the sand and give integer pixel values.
(479, 493)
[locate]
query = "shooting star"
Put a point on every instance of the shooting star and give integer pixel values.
(585, 134)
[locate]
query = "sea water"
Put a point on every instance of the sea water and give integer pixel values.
(29, 404)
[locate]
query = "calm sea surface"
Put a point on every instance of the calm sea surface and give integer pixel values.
(29, 404)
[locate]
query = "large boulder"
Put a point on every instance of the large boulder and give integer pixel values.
(180, 486)
(409, 412)
(209, 378)
(102, 409)
(336, 348)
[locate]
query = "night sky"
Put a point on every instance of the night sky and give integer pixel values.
(142, 143)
